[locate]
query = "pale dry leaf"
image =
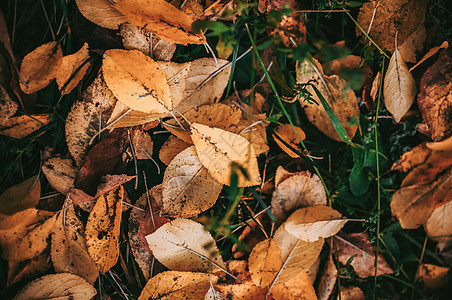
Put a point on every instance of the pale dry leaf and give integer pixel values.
(24, 234)
(287, 134)
(124, 116)
(298, 288)
(162, 18)
(102, 229)
(57, 286)
(21, 126)
(69, 252)
(297, 255)
(172, 146)
(246, 290)
(264, 262)
(20, 196)
(358, 246)
(341, 99)
(314, 222)
(142, 144)
(101, 12)
(281, 175)
(87, 117)
(72, 70)
(141, 39)
(137, 81)
(413, 44)
(399, 88)
(40, 66)
(188, 188)
(177, 285)
(7, 106)
(439, 225)
(255, 133)
(444, 145)
(185, 245)
(213, 294)
(432, 276)
(298, 190)
(352, 293)
(60, 173)
(218, 150)
(327, 281)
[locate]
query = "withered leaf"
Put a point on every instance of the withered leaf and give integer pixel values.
(413, 44)
(328, 280)
(172, 146)
(162, 18)
(72, 70)
(352, 293)
(218, 149)
(177, 285)
(60, 173)
(40, 66)
(188, 188)
(399, 87)
(7, 106)
(185, 245)
(430, 53)
(287, 133)
(439, 225)
(102, 229)
(57, 286)
(432, 276)
(21, 126)
(265, 262)
(124, 116)
(28, 269)
(101, 12)
(245, 290)
(69, 252)
(298, 288)
(137, 81)
(20, 196)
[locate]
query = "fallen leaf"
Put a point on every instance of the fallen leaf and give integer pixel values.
(444, 145)
(213, 294)
(384, 18)
(185, 245)
(40, 66)
(287, 133)
(188, 188)
(435, 97)
(430, 53)
(341, 99)
(4, 36)
(432, 276)
(102, 229)
(439, 225)
(298, 190)
(245, 290)
(87, 117)
(69, 252)
(136, 80)
(172, 146)
(124, 116)
(60, 173)
(28, 269)
(297, 288)
(20, 196)
(161, 18)
(21, 126)
(57, 286)
(177, 285)
(142, 144)
(72, 70)
(413, 44)
(399, 87)
(328, 280)
(218, 149)
(314, 222)
(265, 262)
(352, 293)
(24, 234)
(7, 106)
(141, 39)
(101, 12)
(358, 246)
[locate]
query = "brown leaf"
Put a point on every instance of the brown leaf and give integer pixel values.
(87, 117)
(246, 290)
(24, 234)
(363, 252)
(171, 148)
(217, 149)
(352, 293)
(287, 133)
(298, 288)
(430, 53)
(57, 286)
(60, 173)
(413, 44)
(185, 245)
(298, 190)
(432, 276)
(399, 87)
(343, 103)
(439, 225)
(4, 36)
(387, 17)
(161, 18)
(20, 196)
(101, 12)
(21, 126)
(28, 269)
(69, 252)
(188, 188)
(142, 144)
(136, 80)
(444, 145)
(265, 262)
(177, 285)
(328, 280)
(72, 70)
(102, 229)
(124, 116)
(435, 97)
(40, 66)
(7, 106)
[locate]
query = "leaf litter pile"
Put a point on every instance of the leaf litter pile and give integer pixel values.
(268, 149)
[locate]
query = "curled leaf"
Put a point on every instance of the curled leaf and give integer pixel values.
(20, 196)
(72, 70)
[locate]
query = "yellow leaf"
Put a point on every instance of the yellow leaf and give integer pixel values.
(265, 262)
(40, 66)
(433, 277)
(218, 150)
(124, 116)
(21, 126)
(287, 134)
(21, 196)
(178, 285)
(71, 64)
(171, 148)
(60, 173)
(102, 229)
(246, 290)
(298, 288)
(101, 12)
(137, 81)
